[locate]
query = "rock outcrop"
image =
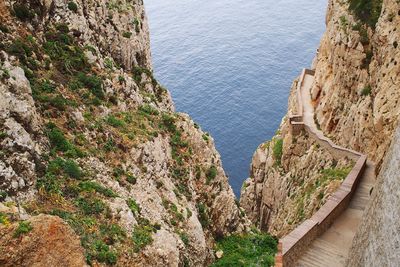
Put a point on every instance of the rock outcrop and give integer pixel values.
(88, 136)
(355, 96)
(50, 242)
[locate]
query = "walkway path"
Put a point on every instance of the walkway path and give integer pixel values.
(331, 249)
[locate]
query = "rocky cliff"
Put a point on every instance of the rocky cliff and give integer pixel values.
(92, 153)
(355, 96)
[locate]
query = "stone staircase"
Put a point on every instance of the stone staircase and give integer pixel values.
(325, 239)
(331, 249)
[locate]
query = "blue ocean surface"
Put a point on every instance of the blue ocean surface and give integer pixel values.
(230, 65)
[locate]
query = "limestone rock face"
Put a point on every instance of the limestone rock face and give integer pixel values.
(117, 28)
(355, 95)
(20, 124)
(357, 77)
(88, 136)
(279, 196)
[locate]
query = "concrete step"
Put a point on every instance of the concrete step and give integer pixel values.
(322, 254)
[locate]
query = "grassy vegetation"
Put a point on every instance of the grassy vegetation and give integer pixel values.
(24, 227)
(211, 174)
(253, 249)
(4, 219)
(367, 11)
(136, 23)
(335, 173)
(317, 188)
(277, 150)
(203, 215)
(135, 208)
(89, 186)
(366, 90)
(142, 236)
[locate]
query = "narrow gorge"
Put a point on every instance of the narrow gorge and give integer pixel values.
(98, 169)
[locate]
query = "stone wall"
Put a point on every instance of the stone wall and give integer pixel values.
(377, 242)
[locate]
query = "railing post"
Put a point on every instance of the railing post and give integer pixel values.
(279, 256)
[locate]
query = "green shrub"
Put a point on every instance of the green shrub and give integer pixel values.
(336, 173)
(68, 166)
(135, 208)
(4, 218)
(3, 195)
(3, 135)
(73, 6)
(142, 236)
(343, 22)
(206, 137)
(66, 55)
(93, 83)
(203, 217)
(112, 233)
(4, 28)
(367, 11)
(254, 249)
(131, 179)
(109, 145)
(50, 184)
(364, 38)
(136, 23)
(127, 34)
(149, 110)
(22, 49)
(103, 253)
(211, 173)
(366, 90)
(121, 79)
(198, 172)
(89, 186)
(168, 122)
(24, 227)
(277, 151)
(23, 12)
(113, 121)
(367, 60)
(137, 74)
(90, 205)
(184, 237)
(72, 169)
(57, 139)
(109, 63)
